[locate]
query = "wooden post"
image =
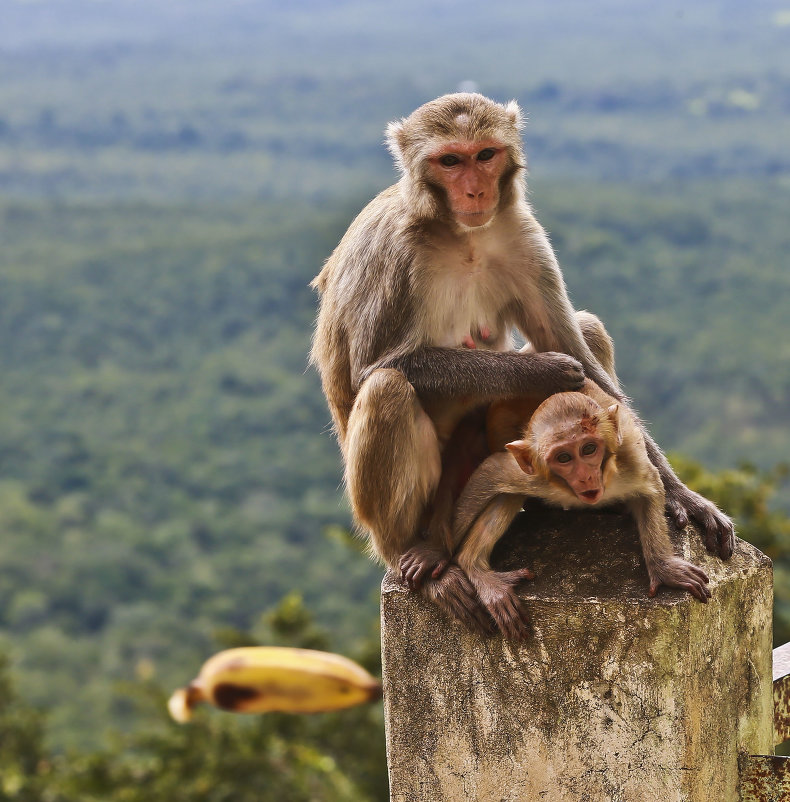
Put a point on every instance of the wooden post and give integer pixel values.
(766, 778)
(615, 697)
(781, 675)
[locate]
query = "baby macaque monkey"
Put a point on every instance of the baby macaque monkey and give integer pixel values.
(579, 449)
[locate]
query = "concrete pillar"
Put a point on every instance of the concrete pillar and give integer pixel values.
(615, 698)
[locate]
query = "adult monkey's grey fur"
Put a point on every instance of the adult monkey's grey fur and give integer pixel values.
(430, 265)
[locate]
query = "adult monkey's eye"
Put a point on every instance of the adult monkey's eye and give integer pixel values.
(564, 457)
(588, 449)
(486, 154)
(449, 160)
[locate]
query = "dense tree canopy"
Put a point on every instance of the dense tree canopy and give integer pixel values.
(172, 175)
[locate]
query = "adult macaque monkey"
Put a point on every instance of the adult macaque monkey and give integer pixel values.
(572, 450)
(449, 257)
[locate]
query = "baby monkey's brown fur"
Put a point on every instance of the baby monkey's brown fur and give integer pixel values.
(578, 449)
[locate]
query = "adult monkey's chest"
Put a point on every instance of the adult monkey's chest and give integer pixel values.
(465, 290)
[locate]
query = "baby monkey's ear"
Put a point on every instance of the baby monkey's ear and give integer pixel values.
(613, 413)
(521, 451)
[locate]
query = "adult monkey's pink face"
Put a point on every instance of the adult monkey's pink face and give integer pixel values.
(469, 172)
(461, 158)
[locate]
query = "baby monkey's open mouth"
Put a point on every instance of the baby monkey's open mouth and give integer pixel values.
(591, 495)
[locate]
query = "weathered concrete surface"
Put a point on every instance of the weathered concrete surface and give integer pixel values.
(615, 698)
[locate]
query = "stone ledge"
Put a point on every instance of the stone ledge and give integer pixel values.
(615, 697)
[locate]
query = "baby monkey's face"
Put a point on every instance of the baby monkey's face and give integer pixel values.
(579, 462)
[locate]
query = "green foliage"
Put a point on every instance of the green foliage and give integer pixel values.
(217, 757)
(24, 767)
(165, 468)
(209, 761)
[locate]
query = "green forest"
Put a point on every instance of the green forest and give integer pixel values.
(172, 176)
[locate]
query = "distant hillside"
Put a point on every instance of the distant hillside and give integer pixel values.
(131, 99)
(173, 174)
(692, 279)
(166, 467)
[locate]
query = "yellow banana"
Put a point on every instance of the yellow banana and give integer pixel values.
(261, 679)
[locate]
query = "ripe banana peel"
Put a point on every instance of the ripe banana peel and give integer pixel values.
(262, 679)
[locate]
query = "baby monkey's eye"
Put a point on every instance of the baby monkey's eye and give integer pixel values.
(564, 457)
(589, 448)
